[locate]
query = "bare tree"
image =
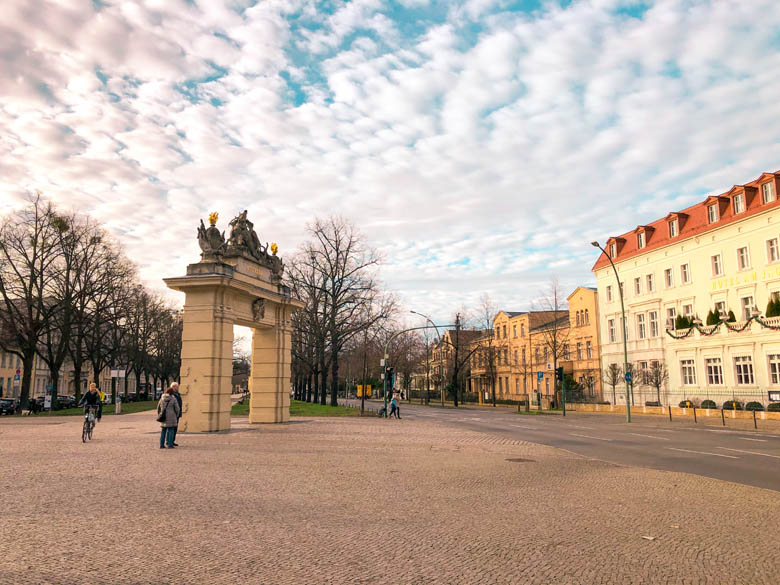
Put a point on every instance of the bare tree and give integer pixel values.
(657, 376)
(613, 375)
(555, 334)
(488, 351)
(30, 249)
(347, 297)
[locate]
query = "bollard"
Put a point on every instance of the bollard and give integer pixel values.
(755, 424)
(670, 413)
(722, 417)
(694, 413)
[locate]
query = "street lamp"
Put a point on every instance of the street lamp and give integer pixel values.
(625, 330)
(441, 367)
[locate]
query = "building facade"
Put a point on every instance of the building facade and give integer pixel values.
(718, 256)
(583, 340)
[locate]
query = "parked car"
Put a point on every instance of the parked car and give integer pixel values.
(7, 406)
(65, 401)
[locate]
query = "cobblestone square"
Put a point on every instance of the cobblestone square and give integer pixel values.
(332, 501)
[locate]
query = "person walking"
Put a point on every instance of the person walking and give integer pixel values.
(177, 395)
(168, 412)
(394, 409)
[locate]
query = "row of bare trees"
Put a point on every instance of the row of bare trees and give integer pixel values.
(68, 294)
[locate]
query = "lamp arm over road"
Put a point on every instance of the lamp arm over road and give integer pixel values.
(625, 329)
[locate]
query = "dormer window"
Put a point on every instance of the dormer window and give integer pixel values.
(673, 231)
(612, 250)
(640, 239)
(768, 192)
(739, 203)
(712, 213)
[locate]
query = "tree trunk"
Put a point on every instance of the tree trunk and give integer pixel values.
(54, 374)
(323, 383)
(28, 361)
(334, 383)
(309, 384)
(77, 381)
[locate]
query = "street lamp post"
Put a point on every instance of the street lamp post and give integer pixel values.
(441, 366)
(625, 330)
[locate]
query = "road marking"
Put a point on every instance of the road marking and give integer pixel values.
(751, 439)
(751, 452)
(587, 437)
(703, 453)
(579, 427)
(651, 437)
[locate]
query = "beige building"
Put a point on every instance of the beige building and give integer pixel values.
(719, 255)
(583, 340)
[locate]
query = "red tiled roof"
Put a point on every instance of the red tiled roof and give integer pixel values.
(693, 220)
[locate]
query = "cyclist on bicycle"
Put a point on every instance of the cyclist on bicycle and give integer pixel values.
(92, 398)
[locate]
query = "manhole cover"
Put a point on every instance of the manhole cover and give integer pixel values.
(520, 460)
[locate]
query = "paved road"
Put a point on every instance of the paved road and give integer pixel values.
(746, 457)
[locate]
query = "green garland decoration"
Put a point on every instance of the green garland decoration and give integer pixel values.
(739, 329)
(713, 329)
(767, 325)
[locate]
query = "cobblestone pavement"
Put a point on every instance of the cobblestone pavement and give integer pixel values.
(360, 501)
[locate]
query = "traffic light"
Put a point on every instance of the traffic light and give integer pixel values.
(559, 374)
(389, 377)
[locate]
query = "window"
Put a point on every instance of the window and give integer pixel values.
(516, 357)
(640, 239)
(720, 307)
(579, 350)
(622, 290)
(638, 286)
(546, 354)
(668, 278)
(774, 368)
(589, 350)
(566, 353)
(547, 385)
(685, 273)
(523, 356)
(717, 265)
(743, 370)
(653, 323)
(643, 370)
(771, 250)
(514, 331)
(612, 250)
(522, 329)
(609, 294)
(714, 371)
(506, 357)
(768, 192)
(688, 369)
(641, 333)
(517, 385)
(688, 310)
(743, 258)
(747, 307)
(650, 284)
(611, 329)
(712, 213)
(504, 328)
(536, 356)
(578, 318)
(500, 385)
(587, 317)
(739, 203)
(673, 228)
(671, 315)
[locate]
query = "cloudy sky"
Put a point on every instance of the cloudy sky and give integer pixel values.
(480, 145)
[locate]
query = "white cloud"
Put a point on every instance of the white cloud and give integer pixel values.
(483, 153)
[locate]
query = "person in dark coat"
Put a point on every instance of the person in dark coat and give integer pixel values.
(177, 395)
(168, 408)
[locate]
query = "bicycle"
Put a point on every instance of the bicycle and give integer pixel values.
(89, 423)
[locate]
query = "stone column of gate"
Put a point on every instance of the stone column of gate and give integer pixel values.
(269, 384)
(206, 363)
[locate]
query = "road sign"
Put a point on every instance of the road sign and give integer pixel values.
(16, 378)
(628, 377)
(117, 373)
(539, 376)
(18, 372)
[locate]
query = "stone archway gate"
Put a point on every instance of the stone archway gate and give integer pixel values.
(236, 282)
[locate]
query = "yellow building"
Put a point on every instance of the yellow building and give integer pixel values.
(718, 256)
(583, 340)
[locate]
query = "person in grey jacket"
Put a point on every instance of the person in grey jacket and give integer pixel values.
(169, 406)
(177, 395)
